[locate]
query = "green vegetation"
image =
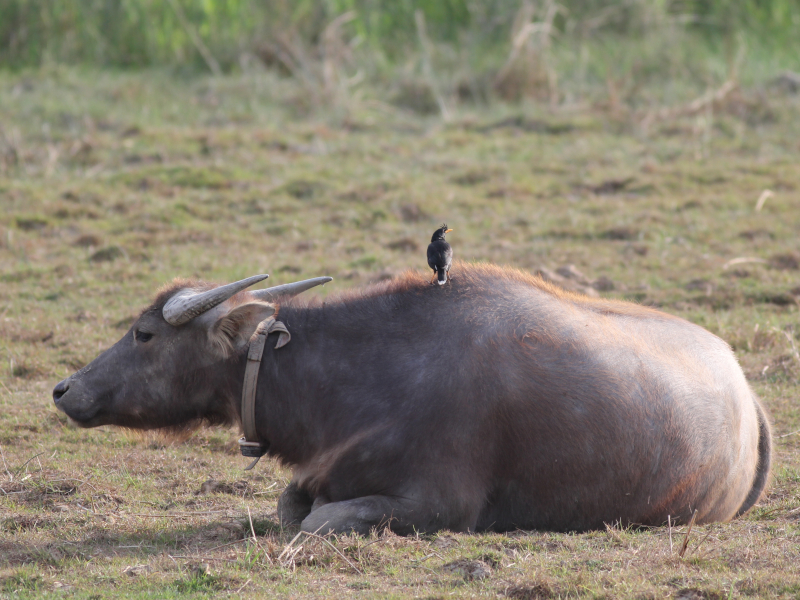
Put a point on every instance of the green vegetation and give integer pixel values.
(431, 53)
(148, 33)
(629, 152)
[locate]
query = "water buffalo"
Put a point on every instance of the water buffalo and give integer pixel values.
(495, 403)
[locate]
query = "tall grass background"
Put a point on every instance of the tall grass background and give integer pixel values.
(430, 52)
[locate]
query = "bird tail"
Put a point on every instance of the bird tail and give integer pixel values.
(442, 276)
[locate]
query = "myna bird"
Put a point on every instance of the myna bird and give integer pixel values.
(440, 255)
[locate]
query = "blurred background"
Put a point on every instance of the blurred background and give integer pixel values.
(425, 55)
(645, 142)
(640, 144)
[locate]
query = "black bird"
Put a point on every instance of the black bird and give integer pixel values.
(440, 255)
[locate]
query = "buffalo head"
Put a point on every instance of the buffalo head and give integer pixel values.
(172, 351)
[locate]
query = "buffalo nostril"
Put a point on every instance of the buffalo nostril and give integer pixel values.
(60, 389)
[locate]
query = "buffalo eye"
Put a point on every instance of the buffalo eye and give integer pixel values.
(142, 336)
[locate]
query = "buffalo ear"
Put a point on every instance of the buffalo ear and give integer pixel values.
(233, 330)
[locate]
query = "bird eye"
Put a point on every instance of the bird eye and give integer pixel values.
(142, 336)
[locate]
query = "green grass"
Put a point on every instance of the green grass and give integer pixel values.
(111, 184)
(140, 33)
(632, 55)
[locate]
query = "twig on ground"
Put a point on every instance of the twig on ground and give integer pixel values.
(23, 465)
(205, 558)
(705, 537)
(268, 490)
(254, 539)
(383, 539)
(244, 585)
(765, 195)
(685, 543)
(79, 483)
(419, 561)
(288, 546)
(742, 260)
(169, 515)
(669, 525)
(696, 106)
(335, 549)
(233, 543)
(252, 529)
(287, 549)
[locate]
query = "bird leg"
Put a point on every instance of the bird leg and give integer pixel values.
(434, 277)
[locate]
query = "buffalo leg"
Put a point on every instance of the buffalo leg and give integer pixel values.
(318, 502)
(294, 505)
(361, 515)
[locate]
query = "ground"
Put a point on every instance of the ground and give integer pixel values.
(113, 184)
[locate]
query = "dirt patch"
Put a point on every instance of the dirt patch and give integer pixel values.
(445, 541)
(366, 194)
(697, 594)
(19, 523)
(473, 177)
(31, 223)
(412, 213)
(404, 245)
(304, 189)
(108, 254)
(612, 186)
(621, 233)
(87, 240)
(789, 261)
(237, 488)
(470, 570)
(756, 234)
(535, 591)
(522, 123)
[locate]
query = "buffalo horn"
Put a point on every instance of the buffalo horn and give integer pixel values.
(186, 305)
(289, 289)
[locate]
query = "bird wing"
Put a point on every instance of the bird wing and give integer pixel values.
(433, 255)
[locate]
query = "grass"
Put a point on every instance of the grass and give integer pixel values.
(112, 184)
(216, 34)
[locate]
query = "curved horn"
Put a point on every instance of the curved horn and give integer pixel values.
(187, 304)
(289, 289)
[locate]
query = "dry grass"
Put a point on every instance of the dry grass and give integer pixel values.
(111, 185)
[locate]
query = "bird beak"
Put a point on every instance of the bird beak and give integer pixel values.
(448, 231)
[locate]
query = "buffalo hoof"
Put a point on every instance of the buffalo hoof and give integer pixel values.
(294, 505)
(359, 515)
